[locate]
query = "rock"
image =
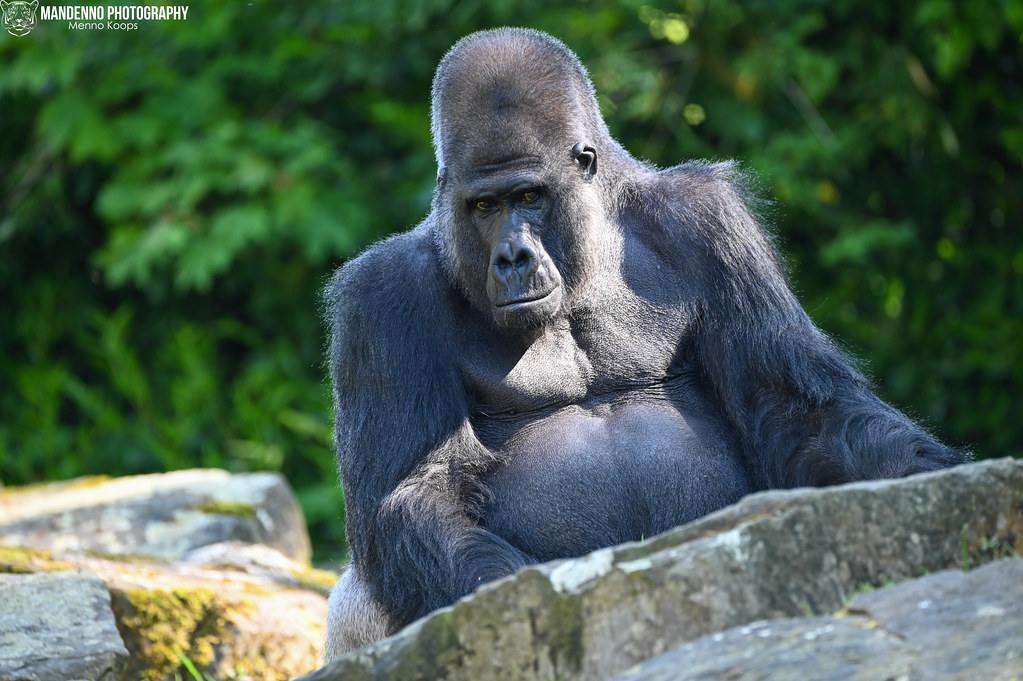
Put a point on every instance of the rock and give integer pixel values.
(964, 625)
(775, 555)
(227, 622)
(262, 561)
(265, 620)
(58, 627)
(164, 515)
(204, 564)
(947, 626)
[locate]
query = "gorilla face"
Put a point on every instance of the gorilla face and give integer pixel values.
(534, 243)
(512, 211)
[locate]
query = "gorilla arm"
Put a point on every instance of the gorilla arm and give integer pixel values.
(408, 458)
(805, 416)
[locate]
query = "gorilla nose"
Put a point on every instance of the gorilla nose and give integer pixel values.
(513, 262)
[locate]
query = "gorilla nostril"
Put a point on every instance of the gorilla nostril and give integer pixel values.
(503, 269)
(523, 260)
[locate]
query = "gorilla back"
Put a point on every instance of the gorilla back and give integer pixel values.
(574, 349)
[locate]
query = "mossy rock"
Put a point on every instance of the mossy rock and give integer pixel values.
(20, 560)
(160, 626)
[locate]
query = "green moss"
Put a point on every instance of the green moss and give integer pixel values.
(159, 626)
(75, 483)
(434, 651)
(20, 560)
(234, 508)
(998, 548)
(320, 581)
(128, 558)
(566, 631)
(880, 581)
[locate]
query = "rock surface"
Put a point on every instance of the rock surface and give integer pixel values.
(949, 625)
(58, 627)
(779, 555)
(179, 565)
(164, 515)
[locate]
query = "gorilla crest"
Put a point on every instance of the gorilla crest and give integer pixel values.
(574, 349)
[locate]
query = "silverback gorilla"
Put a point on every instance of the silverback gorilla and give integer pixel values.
(574, 349)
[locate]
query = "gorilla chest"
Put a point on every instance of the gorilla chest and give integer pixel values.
(598, 444)
(577, 478)
(566, 367)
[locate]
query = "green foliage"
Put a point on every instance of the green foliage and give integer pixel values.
(173, 198)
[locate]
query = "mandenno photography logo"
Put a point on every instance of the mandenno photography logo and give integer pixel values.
(19, 16)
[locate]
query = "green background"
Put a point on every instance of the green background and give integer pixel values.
(172, 198)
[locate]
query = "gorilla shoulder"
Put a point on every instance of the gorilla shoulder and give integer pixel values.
(399, 278)
(678, 212)
(699, 187)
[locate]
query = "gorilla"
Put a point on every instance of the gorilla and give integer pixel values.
(574, 349)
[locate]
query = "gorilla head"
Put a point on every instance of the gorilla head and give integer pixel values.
(518, 134)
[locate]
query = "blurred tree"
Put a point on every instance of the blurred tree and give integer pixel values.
(173, 198)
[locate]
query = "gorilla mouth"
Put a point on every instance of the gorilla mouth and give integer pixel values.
(524, 301)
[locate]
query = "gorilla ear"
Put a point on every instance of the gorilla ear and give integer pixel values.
(586, 156)
(442, 174)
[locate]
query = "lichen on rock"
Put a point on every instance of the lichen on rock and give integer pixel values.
(207, 573)
(158, 626)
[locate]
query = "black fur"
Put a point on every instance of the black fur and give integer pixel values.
(574, 349)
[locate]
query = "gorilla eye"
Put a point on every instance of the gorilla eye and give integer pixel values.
(530, 196)
(484, 205)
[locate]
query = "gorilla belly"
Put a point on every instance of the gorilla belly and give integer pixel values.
(581, 479)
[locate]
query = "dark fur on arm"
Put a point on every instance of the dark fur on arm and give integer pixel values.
(805, 415)
(408, 459)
